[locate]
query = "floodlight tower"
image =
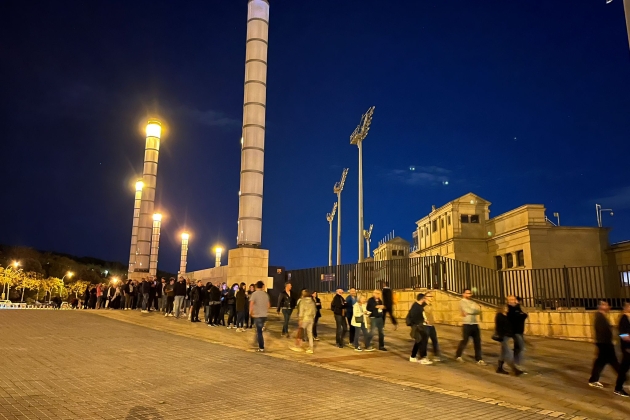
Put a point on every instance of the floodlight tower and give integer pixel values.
(184, 256)
(358, 135)
(626, 7)
(338, 188)
(330, 217)
(134, 229)
(147, 204)
(367, 234)
(155, 243)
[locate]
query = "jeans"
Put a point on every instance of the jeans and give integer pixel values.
(308, 332)
(470, 330)
(161, 303)
(341, 329)
(506, 354)
(177, 305)
(623, 370)
(215, 313)
(315, 327)
(366, 337)
(232, 315)
(240, 319)
(519, 348)
(169, 304)
(351, 329)
(260, 323)
(99, 302)
(286, 313)
(421, 345)
(605, 355)
(128, 299)
(194, 316)
(432, 334)
(378, 323)
(145, 301)
(206, 314)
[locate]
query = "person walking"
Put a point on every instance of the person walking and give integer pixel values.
(503, 333)
(99, 296)
(429, 325)
(286, 303)
(241, 308)
(180, 294)
(258, 308)
(338, 306)
(376, 308)
(605, 348)
(161, 296)
(351, 300)
(470, 312)
(318, 306)
(388, 302)
(214, 295)
(415, 320)
(196, 298)
(517, 318)
(169, 292)
(360, 315)
(307, 311)
(624, 341)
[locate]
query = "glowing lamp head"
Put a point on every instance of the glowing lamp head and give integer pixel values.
(185, 236)
(115, 280)
(69, 274)
(154, 129)
(157, 217)
(139, 185)
(15, 264)
(218, 250)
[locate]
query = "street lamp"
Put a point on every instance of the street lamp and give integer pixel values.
(217, 250)
(330, 217)
(184, 255)
(599, 210)
(367, 234)
(358, 135)
(557, 216)
(337, 189)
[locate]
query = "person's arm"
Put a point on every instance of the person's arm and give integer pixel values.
(280, 299)
(251, 308)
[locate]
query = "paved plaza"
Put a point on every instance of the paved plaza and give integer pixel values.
(128, 365)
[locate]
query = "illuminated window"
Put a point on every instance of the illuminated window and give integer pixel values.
(520, 259)
(434, 226)
(509, 260)
(499, 262)
(625, 278)
(474, 218)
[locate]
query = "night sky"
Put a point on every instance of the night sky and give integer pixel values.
(517, 101)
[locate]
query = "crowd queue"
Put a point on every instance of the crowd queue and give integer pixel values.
(242, 307)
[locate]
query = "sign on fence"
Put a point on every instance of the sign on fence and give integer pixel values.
(328, 277)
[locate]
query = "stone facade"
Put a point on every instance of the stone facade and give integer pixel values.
(248, 265)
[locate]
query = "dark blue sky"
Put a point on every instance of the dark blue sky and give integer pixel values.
(516, 101)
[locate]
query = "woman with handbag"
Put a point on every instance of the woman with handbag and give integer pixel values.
(502, 334)
(359, 322)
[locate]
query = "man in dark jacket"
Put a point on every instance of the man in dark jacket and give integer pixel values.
(241, 307)
(415, 320)
(624, 340)
(180, 294)
(286, 303)
(517, 318)
(215, 305)
(351, 299)
(196, 298)
(169, 291)
(388, 301)
(338, 306)
(603, 341)
(376, 308)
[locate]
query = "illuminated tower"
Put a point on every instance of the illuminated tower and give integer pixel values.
(155, 243)
(147, 204)
(184, 258)
(253, 140)
(134, 230)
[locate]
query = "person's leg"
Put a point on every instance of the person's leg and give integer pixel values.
(414, 350)
(285, 322)
(599, 363)
(476, 336)
(392, 317)
(623, 371)
(355, 340)
(339, 329)
(434, 341)
(308, 333)
(177, 305)
(367, 337)
(519, 348)
(240, 317)
(611, 357)
(380, 324)
(260, 323)
(315, 327)
(464, 342)
(351, 329)
(145, 301)
(424, 342)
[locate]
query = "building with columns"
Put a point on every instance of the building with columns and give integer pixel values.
(520, 238)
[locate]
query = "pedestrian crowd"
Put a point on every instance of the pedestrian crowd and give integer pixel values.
(362, 319)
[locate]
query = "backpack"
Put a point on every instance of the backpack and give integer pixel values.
(408, 320)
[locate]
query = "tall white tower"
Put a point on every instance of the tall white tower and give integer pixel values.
(134, 229)
(184, 257)
(155, 243)
(147, 204)
(253, 140)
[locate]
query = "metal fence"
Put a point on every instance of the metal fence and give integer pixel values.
(545, 288)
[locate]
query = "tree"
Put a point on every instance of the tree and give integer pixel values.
(49, 285)
(29, 281)
(9, 277)
(78, 287)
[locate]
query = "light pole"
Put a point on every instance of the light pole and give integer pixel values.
(155, 244)
(557, 216)
(330, 217)
(358, 135)
(599, 210)
(338, 188)
(367, 234)
(68, 274)
(217, 251)
(184, 256)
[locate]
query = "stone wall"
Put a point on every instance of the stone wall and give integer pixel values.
(573, 324)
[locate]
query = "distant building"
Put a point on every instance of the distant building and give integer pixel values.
(521, 238)
(394, 249)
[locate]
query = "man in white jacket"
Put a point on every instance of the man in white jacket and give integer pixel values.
(470, 312)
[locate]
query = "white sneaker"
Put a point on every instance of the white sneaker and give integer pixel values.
(481, 363)
(298, 349)
(437, 359)
(171, 315)
(460, 360)
(309, 351)
(425, 361)
(413, 359)
(145, 312)
(229, 327)
(165, 315)
(596, 384)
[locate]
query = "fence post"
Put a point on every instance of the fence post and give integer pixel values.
(467, 275)
(567, 288)
(438, 266)
(501, 288)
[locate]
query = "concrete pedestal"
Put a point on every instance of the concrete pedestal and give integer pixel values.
(248, 265)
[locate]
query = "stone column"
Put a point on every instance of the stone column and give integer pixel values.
(253, 140)
(155, 243)
(184, 257)
(133, 252)
(149, 177)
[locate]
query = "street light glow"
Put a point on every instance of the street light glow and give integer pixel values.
(157, 217)
(139, 185)
(15, 264)
(218, 250)
(69, 274)
(185, 236)
(154, 129)
(115, 280)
